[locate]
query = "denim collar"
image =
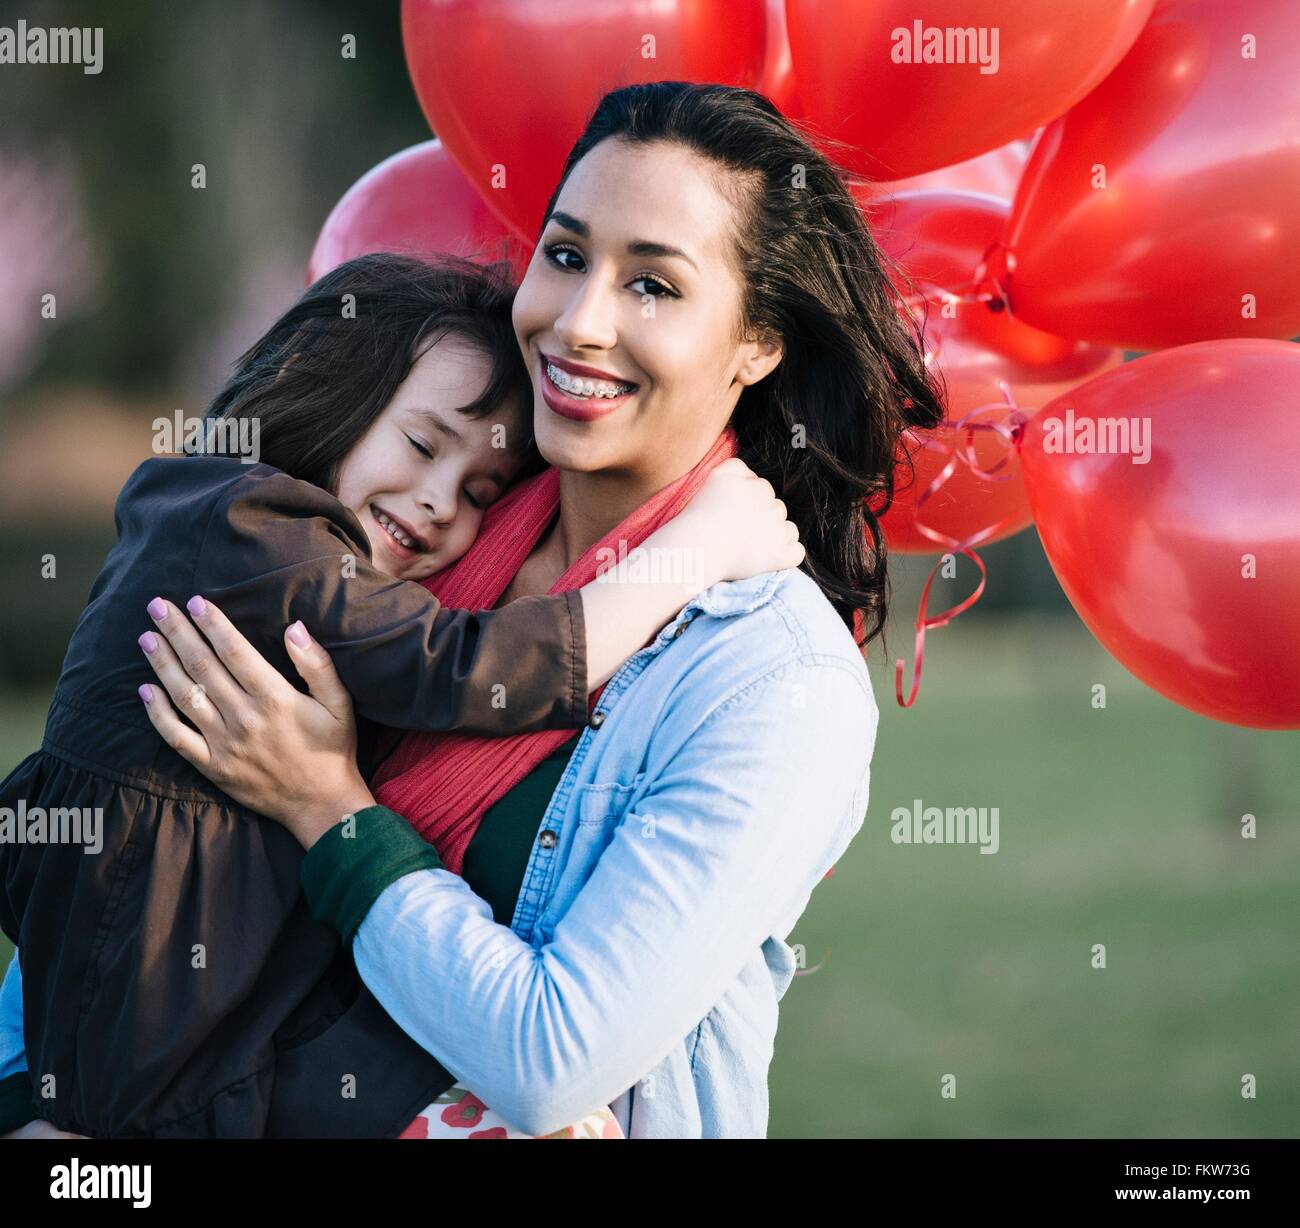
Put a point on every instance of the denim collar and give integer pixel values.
(724, 600)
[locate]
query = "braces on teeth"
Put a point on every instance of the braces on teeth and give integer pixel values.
(576, 386)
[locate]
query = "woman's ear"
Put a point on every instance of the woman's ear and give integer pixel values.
(759, 359)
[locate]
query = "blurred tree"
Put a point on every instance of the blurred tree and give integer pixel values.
(259, 92)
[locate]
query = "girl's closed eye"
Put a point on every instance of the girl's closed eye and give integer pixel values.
(484, 492)
(420, 446)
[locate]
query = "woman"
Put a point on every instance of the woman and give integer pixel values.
(381, 421)
(707, 271)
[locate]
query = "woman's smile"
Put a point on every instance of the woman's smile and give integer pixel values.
(631, 314)
(580, 392)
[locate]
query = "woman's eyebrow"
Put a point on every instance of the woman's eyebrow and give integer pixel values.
(638, 247)
(644, 247)
(569, 222)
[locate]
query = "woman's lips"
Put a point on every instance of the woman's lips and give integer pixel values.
(580, 409)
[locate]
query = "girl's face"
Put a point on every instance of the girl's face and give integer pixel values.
(629, 312)
(420, 477)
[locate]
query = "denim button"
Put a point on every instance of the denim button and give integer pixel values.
(547, 839)
(597, 719)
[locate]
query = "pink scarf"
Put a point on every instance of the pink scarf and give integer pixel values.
(443, 783)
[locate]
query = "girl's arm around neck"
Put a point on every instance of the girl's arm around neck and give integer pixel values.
(279, 550)
(735, 527)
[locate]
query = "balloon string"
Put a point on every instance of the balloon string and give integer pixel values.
(987, 285)
(1011, 428)
(968, 292)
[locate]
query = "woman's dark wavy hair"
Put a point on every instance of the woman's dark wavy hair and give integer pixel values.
(853, 374)
(319, 376)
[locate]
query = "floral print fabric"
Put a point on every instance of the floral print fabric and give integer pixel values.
(458, 1113)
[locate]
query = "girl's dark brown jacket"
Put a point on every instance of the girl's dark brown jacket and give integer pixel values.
(174, 983)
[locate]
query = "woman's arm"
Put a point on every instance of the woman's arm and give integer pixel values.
(720, 855)
(723, 852)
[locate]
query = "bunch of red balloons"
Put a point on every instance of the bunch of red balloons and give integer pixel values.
(1058, 183)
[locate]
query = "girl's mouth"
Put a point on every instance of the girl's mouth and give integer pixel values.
(578, 395)
(397, 536)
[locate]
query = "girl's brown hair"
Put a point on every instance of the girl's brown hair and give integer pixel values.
(324, 371)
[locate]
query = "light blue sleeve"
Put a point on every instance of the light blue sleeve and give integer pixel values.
(13, 1050)
(746, 818)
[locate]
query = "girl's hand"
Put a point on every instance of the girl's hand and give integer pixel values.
(289, 756)
(736, 518)
(40, 1129)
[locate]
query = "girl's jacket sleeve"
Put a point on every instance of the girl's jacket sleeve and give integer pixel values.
(278, 549)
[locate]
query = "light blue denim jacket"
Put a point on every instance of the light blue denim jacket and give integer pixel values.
(725, 771)
(13, 1052)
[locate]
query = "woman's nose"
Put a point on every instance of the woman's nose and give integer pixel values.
(587, 321)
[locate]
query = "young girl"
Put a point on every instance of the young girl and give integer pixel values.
(169, 964)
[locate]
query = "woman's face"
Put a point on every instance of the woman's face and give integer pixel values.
(420, 477)
(629, 312)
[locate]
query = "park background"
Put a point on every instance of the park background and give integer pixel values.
(1118, 825)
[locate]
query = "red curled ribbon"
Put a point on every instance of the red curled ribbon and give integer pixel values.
(1011, 428)
(988, 287)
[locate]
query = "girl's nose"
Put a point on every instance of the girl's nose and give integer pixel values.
(587, 321)
(441, 507)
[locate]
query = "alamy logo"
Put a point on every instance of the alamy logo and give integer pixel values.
(78, 1180)
(57, 825)
(208, 436)
(924, 44)
(649, 564)
(953, 825)
(23, 44)
(1129, 437)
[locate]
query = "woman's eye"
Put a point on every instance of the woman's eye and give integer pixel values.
(555, 254)
(475, 503)
(419, 447)
(661, 289)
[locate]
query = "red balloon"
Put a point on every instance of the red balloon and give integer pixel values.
(939, 239)
(995, 173)
(509, 84)
(1186, 567)
(866, 78)
(416, 202)
(1196, 134)
(778, 69)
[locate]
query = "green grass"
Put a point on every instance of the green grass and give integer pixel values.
(1118, 826)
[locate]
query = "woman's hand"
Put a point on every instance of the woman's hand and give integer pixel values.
(40, 1129)
(289, 756)
(736, 518)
